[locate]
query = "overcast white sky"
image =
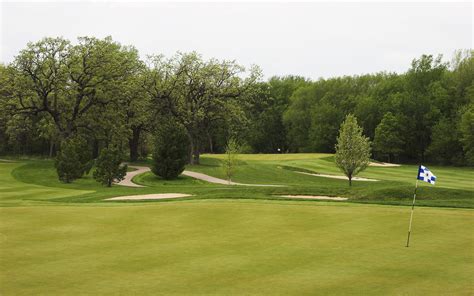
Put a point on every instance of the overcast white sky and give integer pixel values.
(315, 40)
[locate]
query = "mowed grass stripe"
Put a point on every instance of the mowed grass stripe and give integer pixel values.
(13, 192)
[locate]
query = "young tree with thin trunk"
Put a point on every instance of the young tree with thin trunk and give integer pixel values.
(230, 159)
(352, 148)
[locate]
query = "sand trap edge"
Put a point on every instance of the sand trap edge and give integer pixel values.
(315, 197)
(153, 196)
(384, 164)
(339, 177)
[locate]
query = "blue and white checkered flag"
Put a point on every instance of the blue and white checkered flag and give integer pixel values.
(424, 174)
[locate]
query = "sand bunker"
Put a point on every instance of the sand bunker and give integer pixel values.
(149, 196)
(317, 197)
(338, 177)
(383, 164)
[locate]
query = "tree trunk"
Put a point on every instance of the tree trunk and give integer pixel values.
(51, 148)
(95, 149)
(133, 143)
(193, 150)
(211, 147)
(350, 180)
(196, 157)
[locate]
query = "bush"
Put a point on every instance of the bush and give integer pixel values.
(109, 167)
(72, 161)
(171, 151)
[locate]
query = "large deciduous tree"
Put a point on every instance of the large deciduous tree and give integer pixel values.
(198, 93)
(467, 133)
(388, 139)
(65, 81)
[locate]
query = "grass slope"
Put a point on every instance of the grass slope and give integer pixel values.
(63, 239)
(227, 247)
(454, 187)
(395, 186)
(14, 192)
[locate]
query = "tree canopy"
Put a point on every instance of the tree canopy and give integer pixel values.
(105, 93)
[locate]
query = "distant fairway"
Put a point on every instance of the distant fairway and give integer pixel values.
(63, 239)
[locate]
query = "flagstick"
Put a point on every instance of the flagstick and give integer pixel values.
(411, 216)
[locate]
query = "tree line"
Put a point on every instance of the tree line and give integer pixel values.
(99, 94)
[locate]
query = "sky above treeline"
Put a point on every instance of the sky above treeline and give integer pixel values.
(311, 39)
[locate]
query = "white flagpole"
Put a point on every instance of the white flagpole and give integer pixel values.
(411, 216)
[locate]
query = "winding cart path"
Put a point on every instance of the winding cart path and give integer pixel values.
(127, 181)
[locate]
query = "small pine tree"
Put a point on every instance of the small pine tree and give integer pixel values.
(230, 160)
(73, 159)
(171, 150)
(109, 167)
(352, 148)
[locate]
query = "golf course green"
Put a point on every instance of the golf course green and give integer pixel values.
(66, 239)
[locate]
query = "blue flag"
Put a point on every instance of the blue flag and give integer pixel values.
(424, 174)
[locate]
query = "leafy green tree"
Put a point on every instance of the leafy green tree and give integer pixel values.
(71, 161)
(388, 139)
(47, 131)
(136, 104)
(323, 132)
(352, 148)
(445, 146)
(20, 130)
(268, 132)
(417, 107)
(298, 118)
(109, 167)
(467, 133)
(229, 164)
(66, 81)
(198, 93)
(170, 153)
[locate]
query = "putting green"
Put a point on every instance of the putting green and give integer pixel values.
(235, 247)
(64, 239)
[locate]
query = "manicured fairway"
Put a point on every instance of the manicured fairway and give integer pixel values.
(231, 247)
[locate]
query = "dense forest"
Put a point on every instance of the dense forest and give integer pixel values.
(103, 93)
